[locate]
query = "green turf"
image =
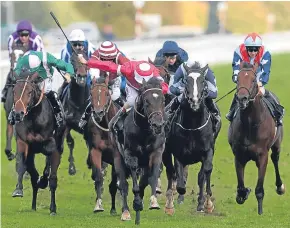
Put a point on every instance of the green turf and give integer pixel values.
(75, 194)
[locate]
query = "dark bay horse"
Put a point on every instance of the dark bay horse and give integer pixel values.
(36, 132)
(252, 133)
(191, 140)
(74, 101)
(141, 143)
(18, 51)
(99, 142)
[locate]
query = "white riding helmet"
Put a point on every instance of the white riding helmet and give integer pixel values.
(77, 35)
(253, 40)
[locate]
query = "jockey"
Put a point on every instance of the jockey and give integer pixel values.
(135, 72)
(43, 63)
(173, 54)
(23, 36)
(178, 87)
(253, 51)
(107, 52)
(78, 40)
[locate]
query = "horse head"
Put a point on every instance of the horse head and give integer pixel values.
(27, 94)
(100, 97)
(247, 85)
(195, 85)
(162, 66)
(152, 100)
(18, 50)
(79, 68)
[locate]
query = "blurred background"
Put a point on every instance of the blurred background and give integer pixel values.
(144, 19)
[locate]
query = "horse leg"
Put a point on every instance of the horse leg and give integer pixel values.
(143, 183)
(8, 149)
(242, 192)
(158, 188)
(120, 168)
(55, 161)
(208, 205)
(180, 186)
(167, 161)
(280, 187)
(43, 180)
(259, 191)
(71, 144)
(201, 181)
(96, 158)
(113, 190)
(20, 169)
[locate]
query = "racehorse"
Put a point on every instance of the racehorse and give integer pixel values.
(96, 134)
(162, 66)
(36, 132)
(252, 133)
(17, 51)
(191, 140)
(75, 99)
(141, 143)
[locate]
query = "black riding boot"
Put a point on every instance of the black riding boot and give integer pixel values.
(113, 124)
(214, 111)
(56, 104)
(230, 115)
(279, 109)
(119, 101)
(5, 89)
(60, 90)
(85, 117)
(171, 108)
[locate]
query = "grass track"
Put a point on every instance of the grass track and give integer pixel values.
(75, 194)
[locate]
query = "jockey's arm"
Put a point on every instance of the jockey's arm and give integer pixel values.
(177, 81)
(236, 66)
(38, 43)
(60, 64)
(211, 84)
(266, 66)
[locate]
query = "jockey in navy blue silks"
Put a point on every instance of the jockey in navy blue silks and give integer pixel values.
(78, 40)
(178, 88)
(174, 55)
(253, 51)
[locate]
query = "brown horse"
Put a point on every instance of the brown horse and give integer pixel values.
(252, 134)
(101, 147)
(17, 51)
(36, 132)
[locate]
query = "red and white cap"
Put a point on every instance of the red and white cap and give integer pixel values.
(108, 50)
(143, 71)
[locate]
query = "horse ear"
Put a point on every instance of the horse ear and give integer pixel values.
(144, 82)
(107, 80)
(204, 69)
(241, 65)
(150, 61)
(255, 67)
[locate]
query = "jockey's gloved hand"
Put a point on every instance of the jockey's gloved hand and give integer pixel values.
(67, 77)
(82, 59)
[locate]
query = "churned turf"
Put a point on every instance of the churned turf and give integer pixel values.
(75, 196)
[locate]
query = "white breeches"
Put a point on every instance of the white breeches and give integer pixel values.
(115, 89)
(47, 83)
(131, 95)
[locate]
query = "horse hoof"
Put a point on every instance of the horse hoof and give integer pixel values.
(72, 171)
(281, 190)
(52, 213)
(180, 199)
(200, 209)
(126, 216)
(99, 206)
(181, 190)
(242, 199)
(10, 155)
(113, 212)
(158, 191)
(208, 205)
(17, 193)
(42, 182)
(169, 211)
(153, 203)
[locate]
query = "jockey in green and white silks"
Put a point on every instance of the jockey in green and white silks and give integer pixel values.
(43, 63)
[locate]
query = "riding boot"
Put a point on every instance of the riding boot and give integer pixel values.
(230, 115)
(171, 108)
(5, 89)
(85, 116)
(113, 124)
(279, 109)
(60, 90)
(11, 119)
(56, 104)
(119, 101)
(214, 111)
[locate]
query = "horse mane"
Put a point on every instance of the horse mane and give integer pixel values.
(195, 66)
(100, 80)
(246, 65)
(153, 82)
